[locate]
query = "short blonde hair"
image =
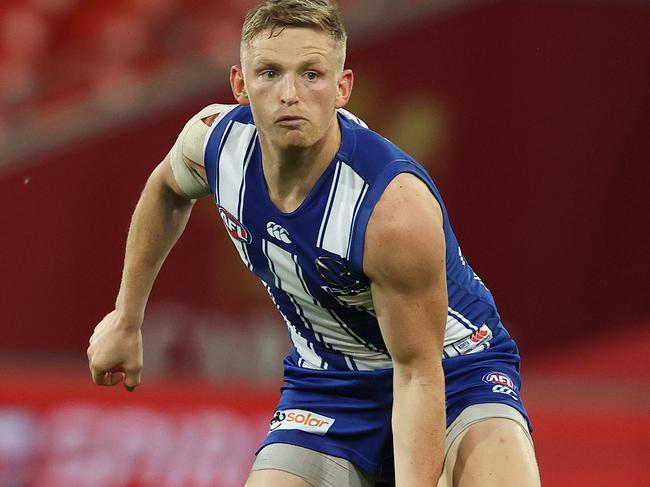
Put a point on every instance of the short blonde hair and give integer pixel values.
(276, 15)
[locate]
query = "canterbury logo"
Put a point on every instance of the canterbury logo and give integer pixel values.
(278, 232)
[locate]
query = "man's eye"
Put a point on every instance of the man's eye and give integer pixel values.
(312, 75)
(269, 74)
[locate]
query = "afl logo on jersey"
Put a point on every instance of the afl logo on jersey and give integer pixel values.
(236, 229)
(501, 384)
(498, 378)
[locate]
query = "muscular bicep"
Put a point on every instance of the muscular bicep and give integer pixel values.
(404, 258)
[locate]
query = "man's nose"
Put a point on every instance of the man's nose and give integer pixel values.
(289, 92)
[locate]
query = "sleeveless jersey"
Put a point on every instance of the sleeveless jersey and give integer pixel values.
(311, 260)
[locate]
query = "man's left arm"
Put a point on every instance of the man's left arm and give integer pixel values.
(404, 258)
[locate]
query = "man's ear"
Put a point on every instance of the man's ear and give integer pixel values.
(237, 85)
(344, 88)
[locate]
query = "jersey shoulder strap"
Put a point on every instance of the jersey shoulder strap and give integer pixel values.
(378, 161)
(228, 145)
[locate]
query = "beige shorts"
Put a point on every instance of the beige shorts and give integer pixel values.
(322, 470)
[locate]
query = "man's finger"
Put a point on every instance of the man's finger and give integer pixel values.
(99, 377)
(132, 380)
(115, 377)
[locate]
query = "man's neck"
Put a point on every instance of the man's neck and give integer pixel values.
(291, 174)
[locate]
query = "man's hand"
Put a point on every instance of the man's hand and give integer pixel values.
(115, 352)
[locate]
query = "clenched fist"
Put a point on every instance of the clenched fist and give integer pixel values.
(115, 352)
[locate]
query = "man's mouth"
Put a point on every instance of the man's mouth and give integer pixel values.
(290, 120)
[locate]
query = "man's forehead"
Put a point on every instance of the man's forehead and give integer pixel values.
(309, 55)
(299, 40)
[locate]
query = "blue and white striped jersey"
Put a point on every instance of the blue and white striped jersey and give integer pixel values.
(311, 260)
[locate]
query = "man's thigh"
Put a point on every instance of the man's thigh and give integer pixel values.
(273, 478)
(491, 452)
(280, 464)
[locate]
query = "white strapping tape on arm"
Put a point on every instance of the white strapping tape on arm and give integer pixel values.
(188, 149)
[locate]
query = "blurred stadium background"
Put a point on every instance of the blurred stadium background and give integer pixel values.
(533, 117)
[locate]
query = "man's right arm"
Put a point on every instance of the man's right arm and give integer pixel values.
(115, 351)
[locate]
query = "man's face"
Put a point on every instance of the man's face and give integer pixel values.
(294, 84)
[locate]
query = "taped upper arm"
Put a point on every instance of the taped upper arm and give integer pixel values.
(186, 156)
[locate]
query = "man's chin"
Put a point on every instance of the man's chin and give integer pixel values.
(294, 140)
